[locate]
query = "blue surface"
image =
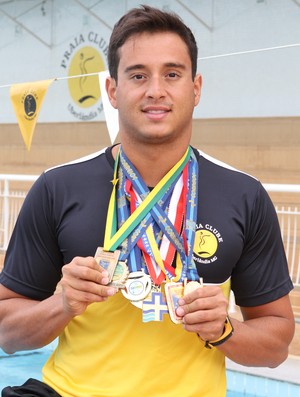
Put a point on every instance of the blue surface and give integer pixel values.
(242, 384)
(17, 368)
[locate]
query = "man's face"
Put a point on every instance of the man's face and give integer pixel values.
(155, 94)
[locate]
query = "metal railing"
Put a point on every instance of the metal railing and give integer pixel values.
(11, 200)
(289, 220)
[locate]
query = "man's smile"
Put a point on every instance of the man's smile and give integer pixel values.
(156, 112)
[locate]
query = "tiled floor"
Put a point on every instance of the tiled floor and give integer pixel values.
(245, 384)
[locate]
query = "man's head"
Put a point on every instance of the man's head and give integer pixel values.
(150, 20)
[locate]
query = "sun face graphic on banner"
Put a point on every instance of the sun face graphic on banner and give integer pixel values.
(85, 90)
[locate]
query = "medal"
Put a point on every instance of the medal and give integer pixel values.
(192, 286)
(137, 287)
(120, 275)
(108, 260)
(154, 306)
(174, 291)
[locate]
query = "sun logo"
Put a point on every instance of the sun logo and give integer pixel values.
(85, 90)
(206, 243)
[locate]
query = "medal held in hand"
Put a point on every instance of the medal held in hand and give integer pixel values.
(120, 275)
(108, 260)
(117, 271)
(192, 286)
(175, 291)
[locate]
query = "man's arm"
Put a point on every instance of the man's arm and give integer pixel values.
(262, 339)
(28, 324)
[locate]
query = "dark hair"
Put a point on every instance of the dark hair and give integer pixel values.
(152, 20)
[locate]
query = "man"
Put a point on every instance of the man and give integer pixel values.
(148, 315)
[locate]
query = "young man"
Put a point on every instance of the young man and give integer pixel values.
(148, 314)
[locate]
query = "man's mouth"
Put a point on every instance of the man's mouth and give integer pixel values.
(156, 112)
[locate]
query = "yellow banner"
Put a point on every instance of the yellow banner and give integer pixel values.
(27, 99)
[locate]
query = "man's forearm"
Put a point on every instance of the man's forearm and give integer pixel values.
(259, 342)
(26, 324)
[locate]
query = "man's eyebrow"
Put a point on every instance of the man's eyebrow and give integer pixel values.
(140, 66)
(134, 67)
(176, 65)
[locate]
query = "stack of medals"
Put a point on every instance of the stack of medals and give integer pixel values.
(155, 229)
(135, 286)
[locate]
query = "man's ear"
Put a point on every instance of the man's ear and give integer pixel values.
(197, 88)
(111, 87)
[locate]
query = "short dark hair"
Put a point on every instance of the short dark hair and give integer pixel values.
(152, 20)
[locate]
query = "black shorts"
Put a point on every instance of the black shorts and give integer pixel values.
(31, 388)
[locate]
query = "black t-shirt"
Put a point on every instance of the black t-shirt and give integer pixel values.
(64, 216)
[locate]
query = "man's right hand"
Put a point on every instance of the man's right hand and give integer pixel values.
(83, 282)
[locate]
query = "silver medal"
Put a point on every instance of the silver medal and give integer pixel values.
(137, 287)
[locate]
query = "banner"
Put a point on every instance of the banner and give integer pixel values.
(27, 99)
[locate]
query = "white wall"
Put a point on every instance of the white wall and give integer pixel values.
(267, 83)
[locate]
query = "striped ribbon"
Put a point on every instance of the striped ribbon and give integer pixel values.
(160, 223)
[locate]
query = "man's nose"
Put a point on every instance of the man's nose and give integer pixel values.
(156, 88)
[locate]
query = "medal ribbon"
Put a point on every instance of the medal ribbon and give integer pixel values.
(177, 240)
(159, 259)
(137, 227)
(113, 239)
(132, 245)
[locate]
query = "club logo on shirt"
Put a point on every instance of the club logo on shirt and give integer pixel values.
(207, 240)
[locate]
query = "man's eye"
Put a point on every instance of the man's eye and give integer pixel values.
(138, 77)
(172, 75)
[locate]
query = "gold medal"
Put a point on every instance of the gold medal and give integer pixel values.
(174, 291)
(108, 260)
(120, 275)
(192, 286)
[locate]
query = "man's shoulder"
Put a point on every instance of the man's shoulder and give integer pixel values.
(219, 166)
(220, 178)
(81, 162)
(94, 169)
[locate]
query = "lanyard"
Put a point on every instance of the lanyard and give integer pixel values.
(160, 222)
(113, 239)
(157, 246)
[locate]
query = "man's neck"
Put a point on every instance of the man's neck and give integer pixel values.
(152, 163)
